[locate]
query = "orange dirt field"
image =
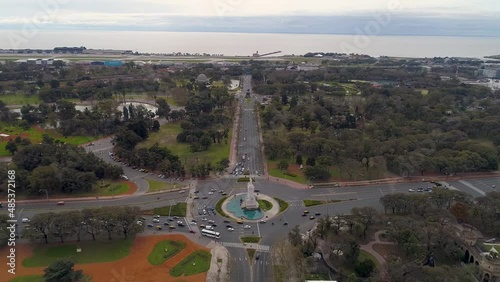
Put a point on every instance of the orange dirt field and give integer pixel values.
(133, 268)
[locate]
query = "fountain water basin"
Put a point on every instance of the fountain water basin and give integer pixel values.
(234, 207)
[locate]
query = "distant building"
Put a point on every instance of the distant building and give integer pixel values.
(491, 73)
(107, 52)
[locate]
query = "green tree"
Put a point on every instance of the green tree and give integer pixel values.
(62, 271)
(364, 268)
(11, 147)
(283, 165)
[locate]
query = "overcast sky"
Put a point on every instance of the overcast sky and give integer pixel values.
(313, 16)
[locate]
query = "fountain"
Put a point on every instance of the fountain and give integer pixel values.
(245, 205)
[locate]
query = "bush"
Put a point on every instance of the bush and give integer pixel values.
(245, 179)
(317, 172)
(364, 268)
(250, 239)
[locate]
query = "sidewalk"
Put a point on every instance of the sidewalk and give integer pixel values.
(234, 138)
(219, 264)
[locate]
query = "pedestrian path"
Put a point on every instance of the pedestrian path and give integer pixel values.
(262, 248)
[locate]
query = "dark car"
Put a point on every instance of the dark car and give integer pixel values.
(318, 213)
(229, 226)
(226, 221)
(150, 225)
(257, 257)
(304, 214)
(286, 223)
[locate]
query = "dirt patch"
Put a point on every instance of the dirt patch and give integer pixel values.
(132, 188)
(295, 169)
(135, 267)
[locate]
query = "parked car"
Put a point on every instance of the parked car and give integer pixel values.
(230, 229)
(25, 220)
(247, 226)
(156, 220)
(60, 203)
(411, 190)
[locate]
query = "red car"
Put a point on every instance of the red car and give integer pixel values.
(60, 203)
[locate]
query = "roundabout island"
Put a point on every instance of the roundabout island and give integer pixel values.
(250, 206)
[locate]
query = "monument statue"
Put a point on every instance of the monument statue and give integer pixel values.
(250, 202)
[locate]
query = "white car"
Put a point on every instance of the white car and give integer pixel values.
(411, 190)
(204, 219)
(25, 220)
(230, 229)
(193, 223)
(247, 227)
(211, 221)
(208, 227)
(262, 221)
(156, 220)
(210, 193)
(157, 216)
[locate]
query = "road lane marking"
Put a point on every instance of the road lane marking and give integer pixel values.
(472, 187)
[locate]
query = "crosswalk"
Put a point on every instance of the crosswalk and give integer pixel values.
(262, 248)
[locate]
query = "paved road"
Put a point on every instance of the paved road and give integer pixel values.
(248, 138)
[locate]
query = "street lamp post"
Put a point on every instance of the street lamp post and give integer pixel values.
(46, 193)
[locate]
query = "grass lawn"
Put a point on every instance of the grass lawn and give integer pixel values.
(20, 99)
(178, 209)
(35, 135)
(218, 207)
(250, 253)
(109, 188)
(364, 255)
(197, 262)
(164, 250)
(92, 251)
(155, 186)
(276, 172)
(283, 204)
(310, 203)
(167, 136)
(250, 239)
(265, 205)
(28, 278)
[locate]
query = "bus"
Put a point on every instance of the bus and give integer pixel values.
(210, 233)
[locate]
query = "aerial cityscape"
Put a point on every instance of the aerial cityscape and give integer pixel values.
(249, 141)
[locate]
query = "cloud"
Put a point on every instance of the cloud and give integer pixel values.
(243, 8)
